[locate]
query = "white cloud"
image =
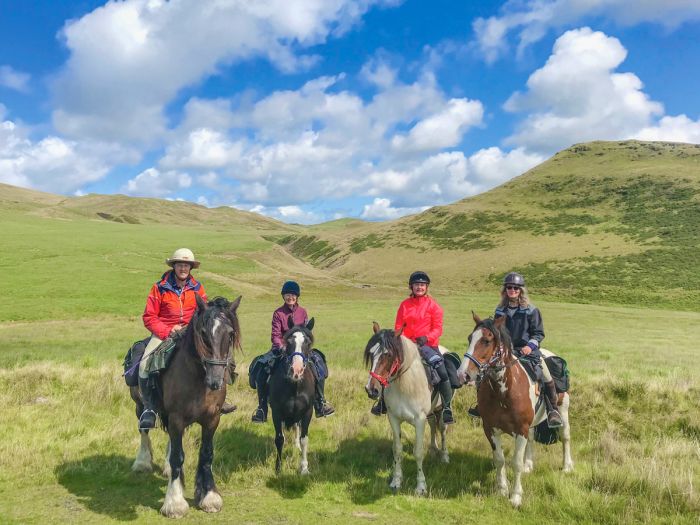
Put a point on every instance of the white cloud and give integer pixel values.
(577, 97)
(203, 148)
(673, 129)
(129, 59)
(154, 183)
(492, 166)
(13, 79)
(50, 164)
(443, 129)
(533, 19)
(381, 209)
(295, 214)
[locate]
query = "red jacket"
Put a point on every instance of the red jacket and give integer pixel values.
(423, 316)
(167, 305)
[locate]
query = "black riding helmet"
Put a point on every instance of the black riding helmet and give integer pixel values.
(514, 278)
(418, 277)
(291, 287)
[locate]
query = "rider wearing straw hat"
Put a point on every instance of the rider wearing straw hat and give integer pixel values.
(169, 307)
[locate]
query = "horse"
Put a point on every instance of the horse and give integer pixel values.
(397, 368)
(507, 399)
(292, 391)
(193, 388)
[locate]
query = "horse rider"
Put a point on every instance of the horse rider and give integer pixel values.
(524, 323)
(169, 307)
(421, 318)
(262, 365)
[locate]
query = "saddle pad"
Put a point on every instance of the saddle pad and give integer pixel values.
(160, 357)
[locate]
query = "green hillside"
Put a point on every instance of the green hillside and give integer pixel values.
(604, 221)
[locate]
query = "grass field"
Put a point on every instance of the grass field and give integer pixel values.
(75, 285)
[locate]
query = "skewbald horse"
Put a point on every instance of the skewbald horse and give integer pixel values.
(193, 388)
(397, 368)
(508, 401)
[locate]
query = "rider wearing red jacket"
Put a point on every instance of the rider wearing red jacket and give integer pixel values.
(420, 316)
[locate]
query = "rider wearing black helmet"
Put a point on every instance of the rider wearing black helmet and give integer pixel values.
(262, 365)
(524, 323)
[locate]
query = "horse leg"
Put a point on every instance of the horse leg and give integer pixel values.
(206, 495)
(297, 436)
(566, 434)
(166, 464)
(304, 442)
(175, 505)
(529, 462)
(444, 454)
(499, 461)
(418, 454)
(144, 457)
(433, 433)
(516, 497)
(397, 477)
(279, 442)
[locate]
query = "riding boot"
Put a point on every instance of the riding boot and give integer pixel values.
(260, 414)
(147, 420)
(379, 407)
(474, 412)
(553, 416)
(446, 395)
(227, 408)
(322, 407)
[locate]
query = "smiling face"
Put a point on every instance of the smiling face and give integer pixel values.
(513, 292)
(419, 289)
(182, 270)
(290, 299)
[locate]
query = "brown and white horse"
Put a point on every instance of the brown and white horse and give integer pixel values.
(507, 400)
(396, 367)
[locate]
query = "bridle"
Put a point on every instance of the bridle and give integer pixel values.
(495, 363)
(394, 370)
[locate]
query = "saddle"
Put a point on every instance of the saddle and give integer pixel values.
(156, 362)
(452, 363)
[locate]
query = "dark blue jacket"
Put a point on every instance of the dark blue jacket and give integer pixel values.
(524, 325)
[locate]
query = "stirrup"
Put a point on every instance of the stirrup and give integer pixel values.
(554, 419)
(259, 416)
(474, 412)
(147, 420)
(447, 417)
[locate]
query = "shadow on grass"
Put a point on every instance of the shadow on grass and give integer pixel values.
(237, 448)
(365, 466)
(105, 485)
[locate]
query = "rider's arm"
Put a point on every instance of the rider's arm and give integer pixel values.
(276, 332)
(436, 315)
(151, 319)
(535, 329)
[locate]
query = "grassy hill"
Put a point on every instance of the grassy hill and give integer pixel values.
(598, 222)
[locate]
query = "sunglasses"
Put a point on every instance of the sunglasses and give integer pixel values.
(510, 287)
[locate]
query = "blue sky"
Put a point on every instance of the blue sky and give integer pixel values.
(311, 110)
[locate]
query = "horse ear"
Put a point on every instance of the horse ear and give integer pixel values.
(201, 305)
(398, 334)
(498, 323)
(476, 318)
(290, 322)
(375, 326)
(310, 324)
(234, 304)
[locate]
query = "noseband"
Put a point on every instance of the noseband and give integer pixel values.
(385, 380)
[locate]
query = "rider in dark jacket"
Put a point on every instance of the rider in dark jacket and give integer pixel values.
(263, 364)
(524, 323)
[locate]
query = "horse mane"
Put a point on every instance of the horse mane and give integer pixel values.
(387, 339)
(202, 323)
(501, 333)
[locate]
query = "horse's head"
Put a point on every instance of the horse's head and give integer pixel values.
(383, 355)
(215, 331)
(489, 345)
(298, 345)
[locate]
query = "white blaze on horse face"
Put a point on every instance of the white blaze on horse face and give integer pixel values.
(375, 358)
(468, 367)
(297, 361)
(217, 324)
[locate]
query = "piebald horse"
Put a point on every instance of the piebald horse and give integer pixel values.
(507, 400)
(397, 368)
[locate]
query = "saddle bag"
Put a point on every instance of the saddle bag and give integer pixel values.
(452, 364)
(546, 435)
(254, 370)
(132, 361)
(560, 372)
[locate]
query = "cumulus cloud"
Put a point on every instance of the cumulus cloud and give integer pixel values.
(152, 182)
(50, 164)
(673, 129)
(576, 96)
(533, 19)
(293, 214)
(381, 209)
(129, 59)
(13, 79)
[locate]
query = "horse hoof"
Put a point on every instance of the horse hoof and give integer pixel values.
(527, 467)
(516, 501)
(141, 466)
(445, 458)
(167, 471)
(304, 472)
(421, 491)
(569, 467)
(174, 509)
(503, 491)
(212, 502)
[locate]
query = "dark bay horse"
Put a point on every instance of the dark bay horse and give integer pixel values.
(193, 389)
(397, 368)
(507, 399)
(292, 391)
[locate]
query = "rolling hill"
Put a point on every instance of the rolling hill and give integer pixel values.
(613, 222)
